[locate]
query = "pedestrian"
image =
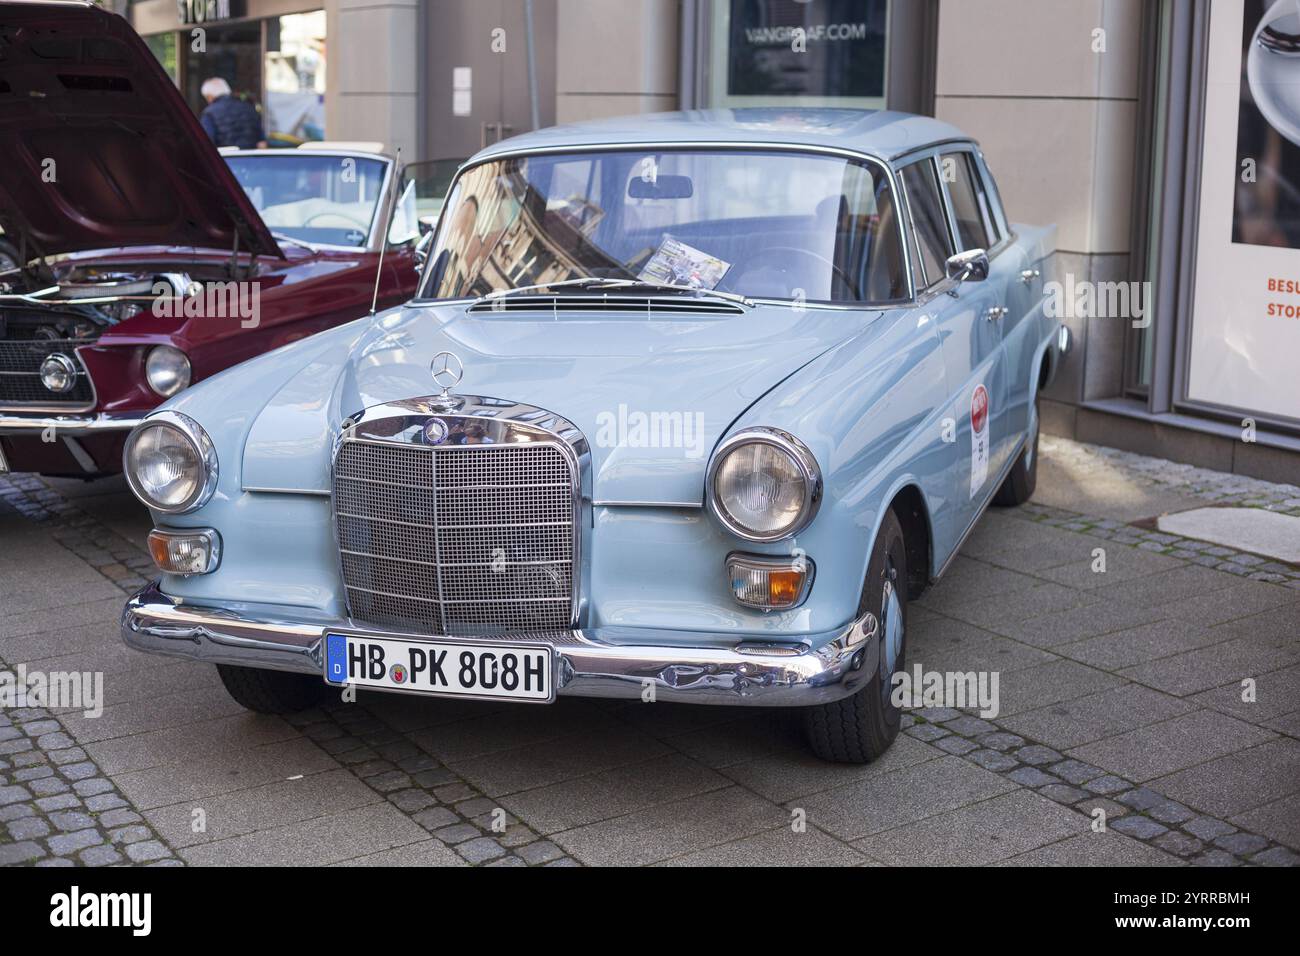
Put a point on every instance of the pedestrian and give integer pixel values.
(230, 121)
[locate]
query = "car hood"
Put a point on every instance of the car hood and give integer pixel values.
(653, 396)
(100, 149)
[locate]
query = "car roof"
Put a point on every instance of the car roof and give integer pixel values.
(884, 134)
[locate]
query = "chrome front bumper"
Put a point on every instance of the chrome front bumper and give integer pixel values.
(70, 426)
(595, 662)
(67, 429)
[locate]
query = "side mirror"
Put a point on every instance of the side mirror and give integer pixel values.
(969, 266)
(421, 251)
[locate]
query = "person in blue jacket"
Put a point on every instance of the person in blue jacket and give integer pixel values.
(230, 121)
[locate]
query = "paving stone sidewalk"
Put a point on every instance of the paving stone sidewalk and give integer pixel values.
(1121, 692)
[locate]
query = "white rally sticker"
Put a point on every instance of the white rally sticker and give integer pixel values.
(979, 438)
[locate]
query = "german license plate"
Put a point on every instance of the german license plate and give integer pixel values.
(441, 668)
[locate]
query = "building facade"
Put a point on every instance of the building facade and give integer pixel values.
(1157, 135)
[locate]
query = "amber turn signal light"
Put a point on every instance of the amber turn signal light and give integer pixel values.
(769, 583)
(196, 551)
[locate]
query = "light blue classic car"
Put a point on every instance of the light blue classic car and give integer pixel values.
(687, 407)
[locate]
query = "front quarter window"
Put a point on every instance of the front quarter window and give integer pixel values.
(971, 210)
(929, 221)
(768, 224)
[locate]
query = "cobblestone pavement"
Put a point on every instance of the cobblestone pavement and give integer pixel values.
(1121, 691)
(1143, 471)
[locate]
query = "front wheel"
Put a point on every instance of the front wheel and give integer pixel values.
(859, 728)
(270, 692)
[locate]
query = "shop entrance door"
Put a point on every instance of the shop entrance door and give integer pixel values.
(234, 53)
(476, 73)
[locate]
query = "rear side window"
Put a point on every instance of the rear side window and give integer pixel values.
(928, 220)
(976, 227)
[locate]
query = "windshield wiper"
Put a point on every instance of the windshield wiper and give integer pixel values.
(281, 237)
(581, 281)
(610, 282)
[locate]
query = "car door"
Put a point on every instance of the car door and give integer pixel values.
(970, 341)
(1022, 274)
(973, 228)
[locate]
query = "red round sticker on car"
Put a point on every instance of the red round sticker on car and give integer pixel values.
(979, 408)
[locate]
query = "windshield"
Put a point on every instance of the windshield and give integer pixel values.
(766, 224)
(319, 199)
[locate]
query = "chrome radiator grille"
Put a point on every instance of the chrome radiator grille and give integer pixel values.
(456, 540)
(20, 373)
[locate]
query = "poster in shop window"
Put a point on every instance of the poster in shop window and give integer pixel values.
(807, 48)
(1245, 334)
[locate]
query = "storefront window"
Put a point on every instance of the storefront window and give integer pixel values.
(787, 53)
(163, 46)
(1245, 324)
(295, 78)
(275, 63)
(231, 51)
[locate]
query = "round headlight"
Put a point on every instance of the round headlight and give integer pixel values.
(167, 370)
(764, 484)
(170, 463)
(59, 373)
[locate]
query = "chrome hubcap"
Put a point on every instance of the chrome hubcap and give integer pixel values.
(891, 630)
(1032, 443)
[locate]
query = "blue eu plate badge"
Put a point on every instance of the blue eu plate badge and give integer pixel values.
(336, 659)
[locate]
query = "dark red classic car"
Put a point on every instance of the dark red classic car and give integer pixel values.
(147, 260)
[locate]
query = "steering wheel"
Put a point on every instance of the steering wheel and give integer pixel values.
(783, 251)
(337, 215)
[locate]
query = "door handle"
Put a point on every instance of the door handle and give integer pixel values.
(996, 312)
(1029, 275)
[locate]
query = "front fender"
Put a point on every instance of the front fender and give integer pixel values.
(871, 411)
(229, 404)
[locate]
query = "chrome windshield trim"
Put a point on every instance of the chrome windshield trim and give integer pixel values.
(883, 162)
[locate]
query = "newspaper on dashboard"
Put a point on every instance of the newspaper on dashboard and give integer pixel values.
(676, 263)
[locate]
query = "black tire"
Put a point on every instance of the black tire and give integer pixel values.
(270, 692)
(859, 728)
(1018, 486)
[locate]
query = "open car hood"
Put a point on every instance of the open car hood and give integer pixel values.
(99, 148)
